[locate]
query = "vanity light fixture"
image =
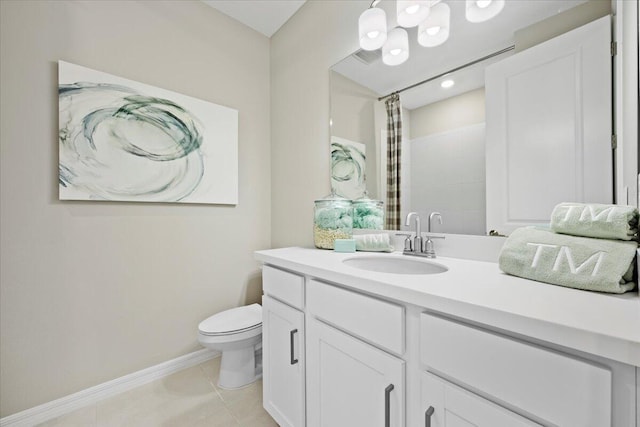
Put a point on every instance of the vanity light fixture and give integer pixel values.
(396, 50)
(434, 30)
(372, 27)
(433, 18)
(446, 84)
(482, 10)
(412, 12)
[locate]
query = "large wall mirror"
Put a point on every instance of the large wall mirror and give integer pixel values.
(444, 154)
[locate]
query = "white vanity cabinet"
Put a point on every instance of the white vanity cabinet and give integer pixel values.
(283, 353)
(373, 359)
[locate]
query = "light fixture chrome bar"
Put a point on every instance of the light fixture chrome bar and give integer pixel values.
(374, 3)
(468, 64)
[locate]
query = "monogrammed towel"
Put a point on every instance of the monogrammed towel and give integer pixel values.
(576, 262)
(594, 220)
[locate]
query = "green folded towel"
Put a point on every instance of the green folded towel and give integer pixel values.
(373, 242)
(594, 220)
(576, 262)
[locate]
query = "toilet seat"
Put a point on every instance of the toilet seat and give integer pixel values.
(244, 320)
(237, 331)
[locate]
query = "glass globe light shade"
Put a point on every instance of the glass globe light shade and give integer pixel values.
(412, 12)
(396, 50)
(434, 30)
(482, 10)
(372, 28)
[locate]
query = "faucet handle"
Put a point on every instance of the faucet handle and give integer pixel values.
(429, 249)
(408, 244)
(435, 236)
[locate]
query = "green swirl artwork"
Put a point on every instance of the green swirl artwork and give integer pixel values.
(348, 177)
(122, 140)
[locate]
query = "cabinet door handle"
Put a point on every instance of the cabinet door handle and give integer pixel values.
(291, 334)
(387, 405)
(427, 416)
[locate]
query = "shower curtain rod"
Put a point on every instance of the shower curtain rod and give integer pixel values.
(491, 55)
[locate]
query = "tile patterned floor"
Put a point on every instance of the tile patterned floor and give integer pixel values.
(189, 398)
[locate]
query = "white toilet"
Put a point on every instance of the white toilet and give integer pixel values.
(237, 334)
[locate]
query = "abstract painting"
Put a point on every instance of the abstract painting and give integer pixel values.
(121, 140)
(347, 168)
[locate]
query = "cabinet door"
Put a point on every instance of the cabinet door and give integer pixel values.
(446, 405)
(549, 127)
(351, 383)
(283, 364)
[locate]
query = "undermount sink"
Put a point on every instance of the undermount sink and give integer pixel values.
(395, 265)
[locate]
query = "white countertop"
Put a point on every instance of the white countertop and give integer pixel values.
(606, 325)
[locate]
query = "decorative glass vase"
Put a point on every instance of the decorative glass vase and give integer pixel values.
(333, 219)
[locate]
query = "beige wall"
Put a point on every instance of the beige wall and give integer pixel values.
(561, 23)
(451, 113)
(318, 36)
(94, 291)
(353, 118)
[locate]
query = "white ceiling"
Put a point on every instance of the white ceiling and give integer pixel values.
(264, 16)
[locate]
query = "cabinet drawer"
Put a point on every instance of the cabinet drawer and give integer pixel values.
(371, 319)
(282, 285)
(550, 386)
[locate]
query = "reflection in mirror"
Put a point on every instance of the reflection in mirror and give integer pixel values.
(442, 165)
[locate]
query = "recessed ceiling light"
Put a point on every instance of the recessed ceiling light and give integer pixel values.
(447, 83)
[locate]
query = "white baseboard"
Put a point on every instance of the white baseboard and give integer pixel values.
(70, 403)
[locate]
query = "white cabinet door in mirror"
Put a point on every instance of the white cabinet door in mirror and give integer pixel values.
(549, 127)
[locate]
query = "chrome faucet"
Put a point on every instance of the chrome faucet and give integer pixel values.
(416, 247)
(429, 250)
(417, 240)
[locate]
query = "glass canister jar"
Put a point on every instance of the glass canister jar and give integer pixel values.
(368, 213)
(333, 219)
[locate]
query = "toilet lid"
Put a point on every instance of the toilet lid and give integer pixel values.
(232, 321)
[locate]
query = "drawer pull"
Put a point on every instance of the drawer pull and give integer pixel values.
(387, 405)
(427, 416)
(291, 334)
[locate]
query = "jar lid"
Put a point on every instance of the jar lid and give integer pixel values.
(333, 197)
(365, 199)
